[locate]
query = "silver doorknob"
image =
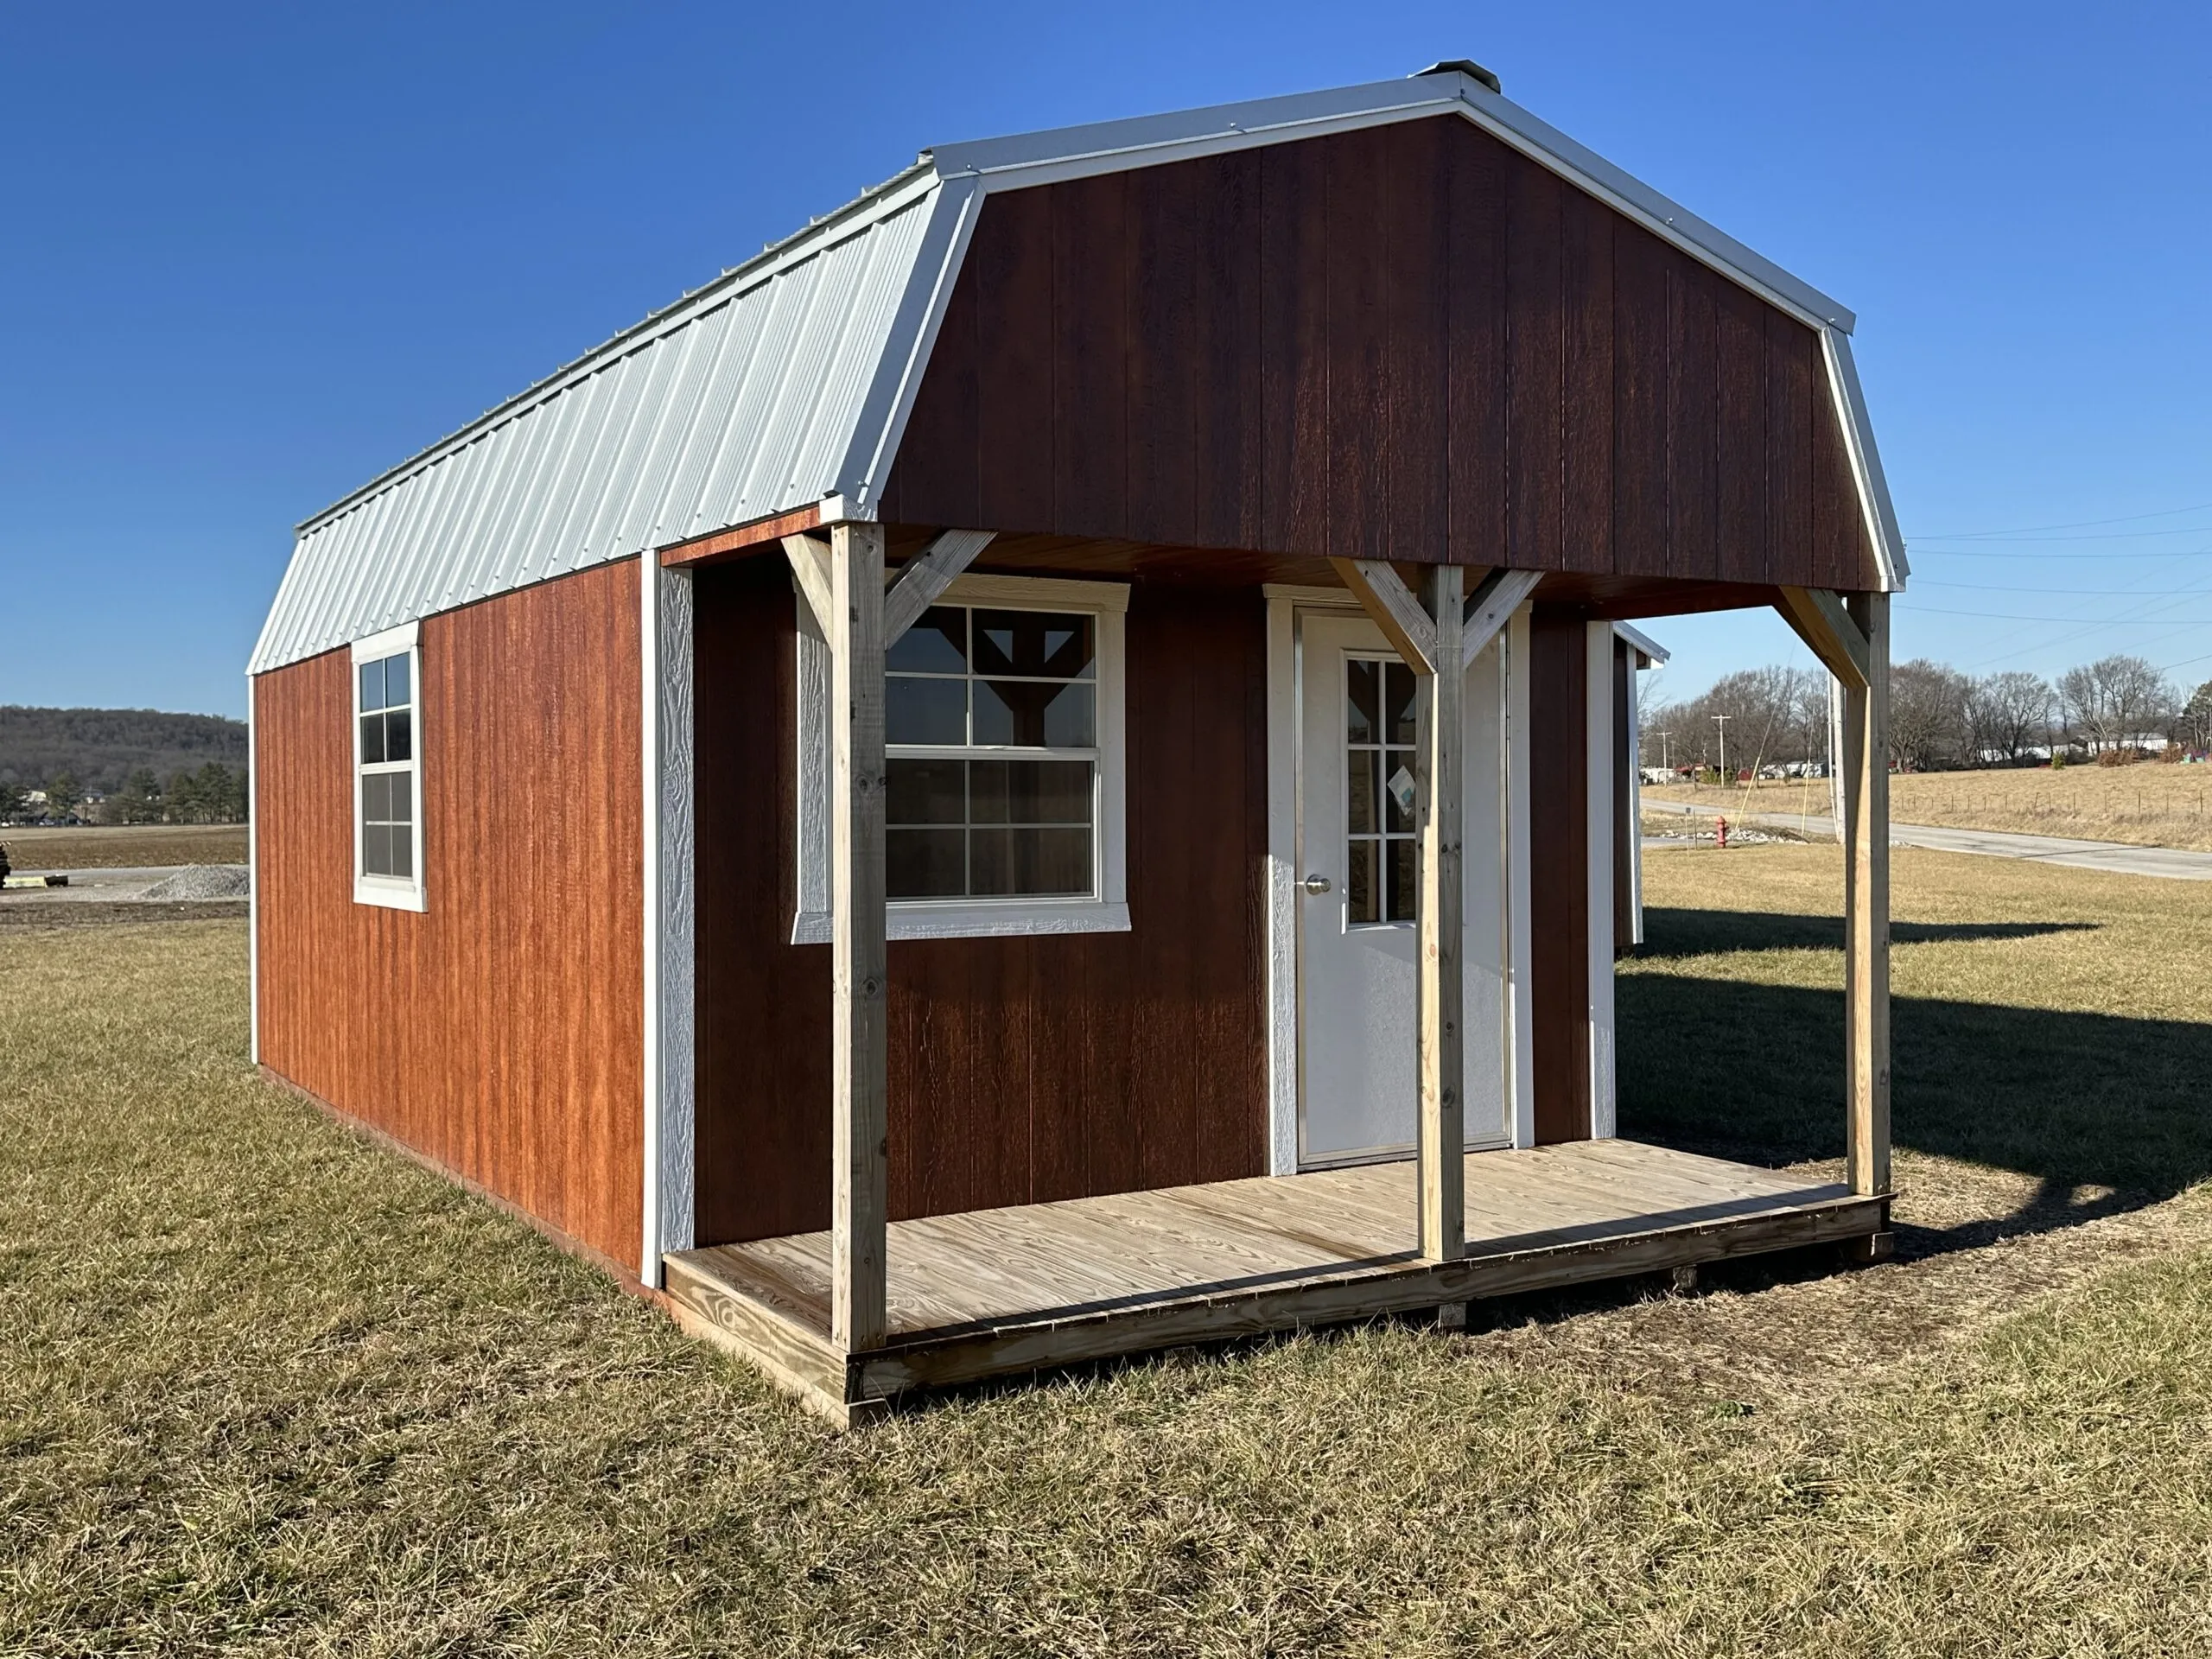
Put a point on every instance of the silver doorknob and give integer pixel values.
(1316, 884)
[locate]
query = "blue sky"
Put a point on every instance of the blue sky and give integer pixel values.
(255, 254)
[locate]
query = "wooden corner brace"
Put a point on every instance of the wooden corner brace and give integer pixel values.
(921, 581)
(1822, 623)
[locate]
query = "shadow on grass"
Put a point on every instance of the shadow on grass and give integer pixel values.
(2122, 1107)
(1674, 934)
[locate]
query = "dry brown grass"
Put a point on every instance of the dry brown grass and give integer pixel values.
(120, 847)
(2147, 804)
(266, 1390)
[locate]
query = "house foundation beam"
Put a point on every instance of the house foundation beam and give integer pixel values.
(1866, 900)
(859, 958)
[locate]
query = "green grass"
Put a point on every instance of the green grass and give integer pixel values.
(264, 1388)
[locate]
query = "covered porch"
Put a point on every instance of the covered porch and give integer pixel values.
(998, 1292)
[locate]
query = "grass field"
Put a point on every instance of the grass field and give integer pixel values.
(264, 1388)
(125, 846)
(2147, 804)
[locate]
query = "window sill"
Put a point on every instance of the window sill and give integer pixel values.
(388, 895)
(978, 921)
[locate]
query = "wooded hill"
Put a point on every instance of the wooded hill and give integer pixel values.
(100, 747)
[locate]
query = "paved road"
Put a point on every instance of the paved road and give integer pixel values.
(2113, 856)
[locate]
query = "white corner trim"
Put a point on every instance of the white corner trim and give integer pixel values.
(1874, 501)
(1039, 593)
(406, 637)
(1599, 759)
(1341, 598)
(1519, 842)
(253, 878)
(1282, 866)
(668, 1168)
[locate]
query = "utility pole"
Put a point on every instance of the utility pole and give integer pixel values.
(1663, 737)
(1721, 720)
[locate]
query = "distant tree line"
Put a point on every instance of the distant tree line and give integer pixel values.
(99, 750)
(1940, 719)
(214, 794)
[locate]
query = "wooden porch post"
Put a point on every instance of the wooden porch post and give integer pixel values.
(859, 963)
(1866, 901)
(1439, 947)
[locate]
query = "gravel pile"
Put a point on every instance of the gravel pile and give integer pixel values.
(202, 881)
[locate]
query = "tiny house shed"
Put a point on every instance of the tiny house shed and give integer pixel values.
(1044, 770)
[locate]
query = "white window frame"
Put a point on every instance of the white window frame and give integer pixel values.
(390, 892)
(1106, 911)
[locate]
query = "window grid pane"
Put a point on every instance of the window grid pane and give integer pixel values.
(385, 723)
(988, 824)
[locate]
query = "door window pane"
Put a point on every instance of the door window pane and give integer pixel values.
(1403, 891)
(1363, 898)
(1399, 688)
(1360, 719)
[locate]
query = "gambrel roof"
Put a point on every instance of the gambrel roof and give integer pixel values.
(786, 382)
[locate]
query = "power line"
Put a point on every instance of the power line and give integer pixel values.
(1918, 548)
(2085, 524)
(2113, 622)
(2009, 588)
(2109, 536)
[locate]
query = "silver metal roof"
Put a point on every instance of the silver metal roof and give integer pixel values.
(787, 381)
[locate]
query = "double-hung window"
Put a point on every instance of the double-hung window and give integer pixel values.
(1003, 732)
(387, 771)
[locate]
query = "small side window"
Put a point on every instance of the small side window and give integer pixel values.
(387, 793)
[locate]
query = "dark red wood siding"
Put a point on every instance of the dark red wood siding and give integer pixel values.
(1021, 1069)
(1410, 342)
(499, 1032)
(1558, 871)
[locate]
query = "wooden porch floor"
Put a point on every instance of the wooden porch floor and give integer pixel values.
(996, 1292)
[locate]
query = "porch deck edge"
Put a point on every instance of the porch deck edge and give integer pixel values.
(800, 1358)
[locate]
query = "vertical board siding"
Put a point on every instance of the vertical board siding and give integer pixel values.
(1407, 342)
(1022, 1069)
(1558, 871)
(499, 1032)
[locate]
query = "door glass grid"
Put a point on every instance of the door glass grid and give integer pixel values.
(1379, 792)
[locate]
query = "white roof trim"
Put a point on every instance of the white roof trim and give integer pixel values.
(1642, 642)
(1866, 460)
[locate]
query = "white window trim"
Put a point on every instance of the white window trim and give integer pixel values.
(978, 918)
(388, 892)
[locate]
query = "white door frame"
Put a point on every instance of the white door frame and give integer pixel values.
(1286, 605)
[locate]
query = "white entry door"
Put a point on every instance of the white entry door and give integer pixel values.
(1357, 1097)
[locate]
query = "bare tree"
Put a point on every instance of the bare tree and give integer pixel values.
(1928, 715)
(2114, 700)
(2009, 713)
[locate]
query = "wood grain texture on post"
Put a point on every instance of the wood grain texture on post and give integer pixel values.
(858, 956)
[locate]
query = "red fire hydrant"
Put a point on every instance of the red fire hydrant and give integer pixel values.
(1723, 835)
